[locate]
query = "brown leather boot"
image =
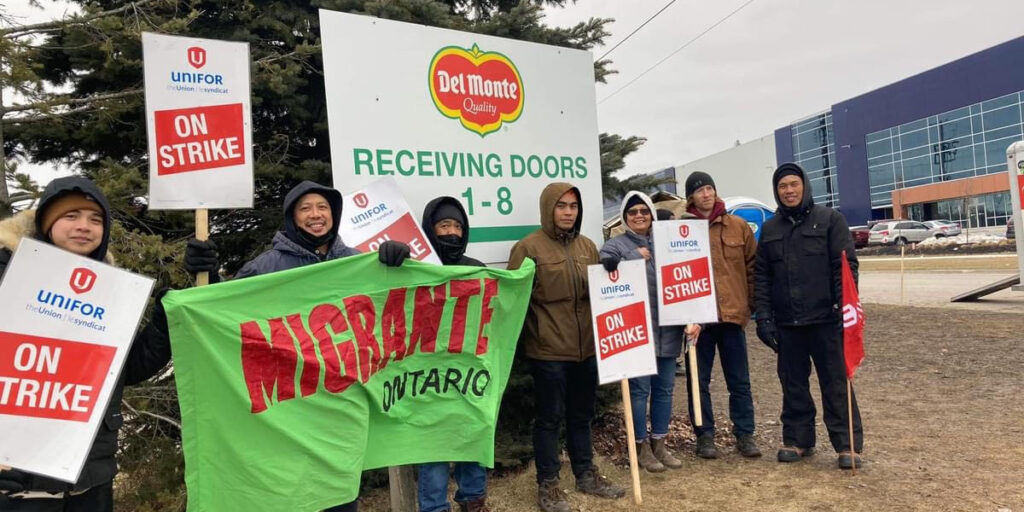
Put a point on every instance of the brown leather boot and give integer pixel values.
(646, 458)
(663, 455)
(550, 497)
(477, 505)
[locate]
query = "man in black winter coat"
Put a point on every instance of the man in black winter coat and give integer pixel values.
(74, 215)
(798, 299)
(446, 225)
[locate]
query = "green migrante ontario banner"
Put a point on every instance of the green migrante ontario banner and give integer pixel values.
(292, 383)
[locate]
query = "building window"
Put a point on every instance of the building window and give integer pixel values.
(814, 150)
(962, 143)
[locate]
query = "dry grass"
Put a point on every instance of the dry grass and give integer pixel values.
(1006, 262)
(940, 397)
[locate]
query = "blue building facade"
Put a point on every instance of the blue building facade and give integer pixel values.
(950, 123)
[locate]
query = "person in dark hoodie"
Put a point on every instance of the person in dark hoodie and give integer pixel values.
(310, 235)
(558, 339)
(74, 215)
(447, 228)
(798, 304)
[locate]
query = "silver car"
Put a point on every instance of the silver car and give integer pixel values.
(898, 232)
(942, 228)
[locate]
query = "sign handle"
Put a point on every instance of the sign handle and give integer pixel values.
(691, 373)
(903, 253)
(631, 440)
(202, 234)
(849, 412)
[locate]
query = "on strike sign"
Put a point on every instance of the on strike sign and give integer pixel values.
(379, 213)
(67, 325)
(622, 321)
(199, 123)
(686, 289)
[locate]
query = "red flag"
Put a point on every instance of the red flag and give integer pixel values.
(853, 322)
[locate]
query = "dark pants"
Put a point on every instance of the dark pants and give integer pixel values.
(822, 344)
(563, 390)
(731, 343)
(97, 499)
(352, 506)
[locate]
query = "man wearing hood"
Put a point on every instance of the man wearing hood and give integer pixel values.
(732, 261)
(798, 300)
(447, 228)
(558, 339)
(637, 243)
(310, 235)
(74, 215)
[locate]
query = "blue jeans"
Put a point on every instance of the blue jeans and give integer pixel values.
(731, 343)
(433, 485)
(658, 388)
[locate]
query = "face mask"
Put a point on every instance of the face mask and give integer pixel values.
(450, 247)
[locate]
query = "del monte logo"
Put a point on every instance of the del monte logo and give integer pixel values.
(481, 89)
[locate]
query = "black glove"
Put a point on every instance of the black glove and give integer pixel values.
(11, 481)
(768, 335)
(159, 317)
(202, 257)
(392, 253)
(610, 263)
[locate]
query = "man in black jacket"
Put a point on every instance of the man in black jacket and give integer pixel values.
(798, 298)
(446, 225)
(74, 215)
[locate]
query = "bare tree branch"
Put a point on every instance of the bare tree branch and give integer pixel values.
(151, 414)
(68, 101)
(74, 20)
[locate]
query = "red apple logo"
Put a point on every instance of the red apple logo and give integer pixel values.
(82, 280)
(483, 90)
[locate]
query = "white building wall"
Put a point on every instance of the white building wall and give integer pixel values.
(744, 170)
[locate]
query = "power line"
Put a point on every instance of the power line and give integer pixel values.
(677, 50)
(636, 30)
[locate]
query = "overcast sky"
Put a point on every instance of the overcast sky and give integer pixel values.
(772, 63)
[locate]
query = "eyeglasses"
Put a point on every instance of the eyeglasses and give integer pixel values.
(639, 211)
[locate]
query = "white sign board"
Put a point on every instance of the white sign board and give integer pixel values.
(199, 123)
(1015, 171)
(67, 325)
(686, 288)
(486, 120)
(379, 213)
(621, 315)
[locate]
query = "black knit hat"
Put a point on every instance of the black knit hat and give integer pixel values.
(696, 180)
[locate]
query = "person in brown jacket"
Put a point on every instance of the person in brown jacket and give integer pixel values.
(733, 249)
(558, 339)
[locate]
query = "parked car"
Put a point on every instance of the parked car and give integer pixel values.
(898, 232)
(860, 235)
(1010, 233)
(872, 223)
(943, 228)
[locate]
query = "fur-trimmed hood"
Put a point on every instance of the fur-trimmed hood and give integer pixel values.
(23, 225)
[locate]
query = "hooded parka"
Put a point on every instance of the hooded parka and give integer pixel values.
(798, 267)
(558, 324)
(668, 339)
(291, 247)
(150, 351)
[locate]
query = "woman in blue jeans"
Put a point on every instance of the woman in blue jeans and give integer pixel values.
(636, 243)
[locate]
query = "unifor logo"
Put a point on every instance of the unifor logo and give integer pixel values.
(82, 280)
(196, 57)
(613, 275)
(361, 200)
(684, 230)
(483, 90)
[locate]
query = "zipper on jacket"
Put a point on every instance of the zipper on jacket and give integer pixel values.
(575, 297)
